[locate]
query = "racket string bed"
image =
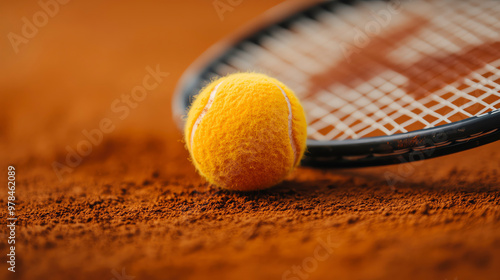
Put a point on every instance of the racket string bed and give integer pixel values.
(431, 75)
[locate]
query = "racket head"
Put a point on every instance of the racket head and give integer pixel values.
(453, 135)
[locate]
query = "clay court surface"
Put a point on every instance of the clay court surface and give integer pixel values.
(134, 207)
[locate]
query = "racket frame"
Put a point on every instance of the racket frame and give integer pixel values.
(370, 151)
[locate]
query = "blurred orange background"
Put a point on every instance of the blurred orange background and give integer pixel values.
(64, 79)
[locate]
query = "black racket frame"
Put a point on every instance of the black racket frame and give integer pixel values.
(370, 151)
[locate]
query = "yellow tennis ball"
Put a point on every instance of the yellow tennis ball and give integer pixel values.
(246, 131)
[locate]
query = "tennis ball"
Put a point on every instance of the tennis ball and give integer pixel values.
(245, 131)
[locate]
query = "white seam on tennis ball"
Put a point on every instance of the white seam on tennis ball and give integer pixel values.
(290, 123)
(203, 112)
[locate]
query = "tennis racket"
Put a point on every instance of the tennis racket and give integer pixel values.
(382, 82)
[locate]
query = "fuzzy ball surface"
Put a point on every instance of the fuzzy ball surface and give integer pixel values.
(245, 131)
